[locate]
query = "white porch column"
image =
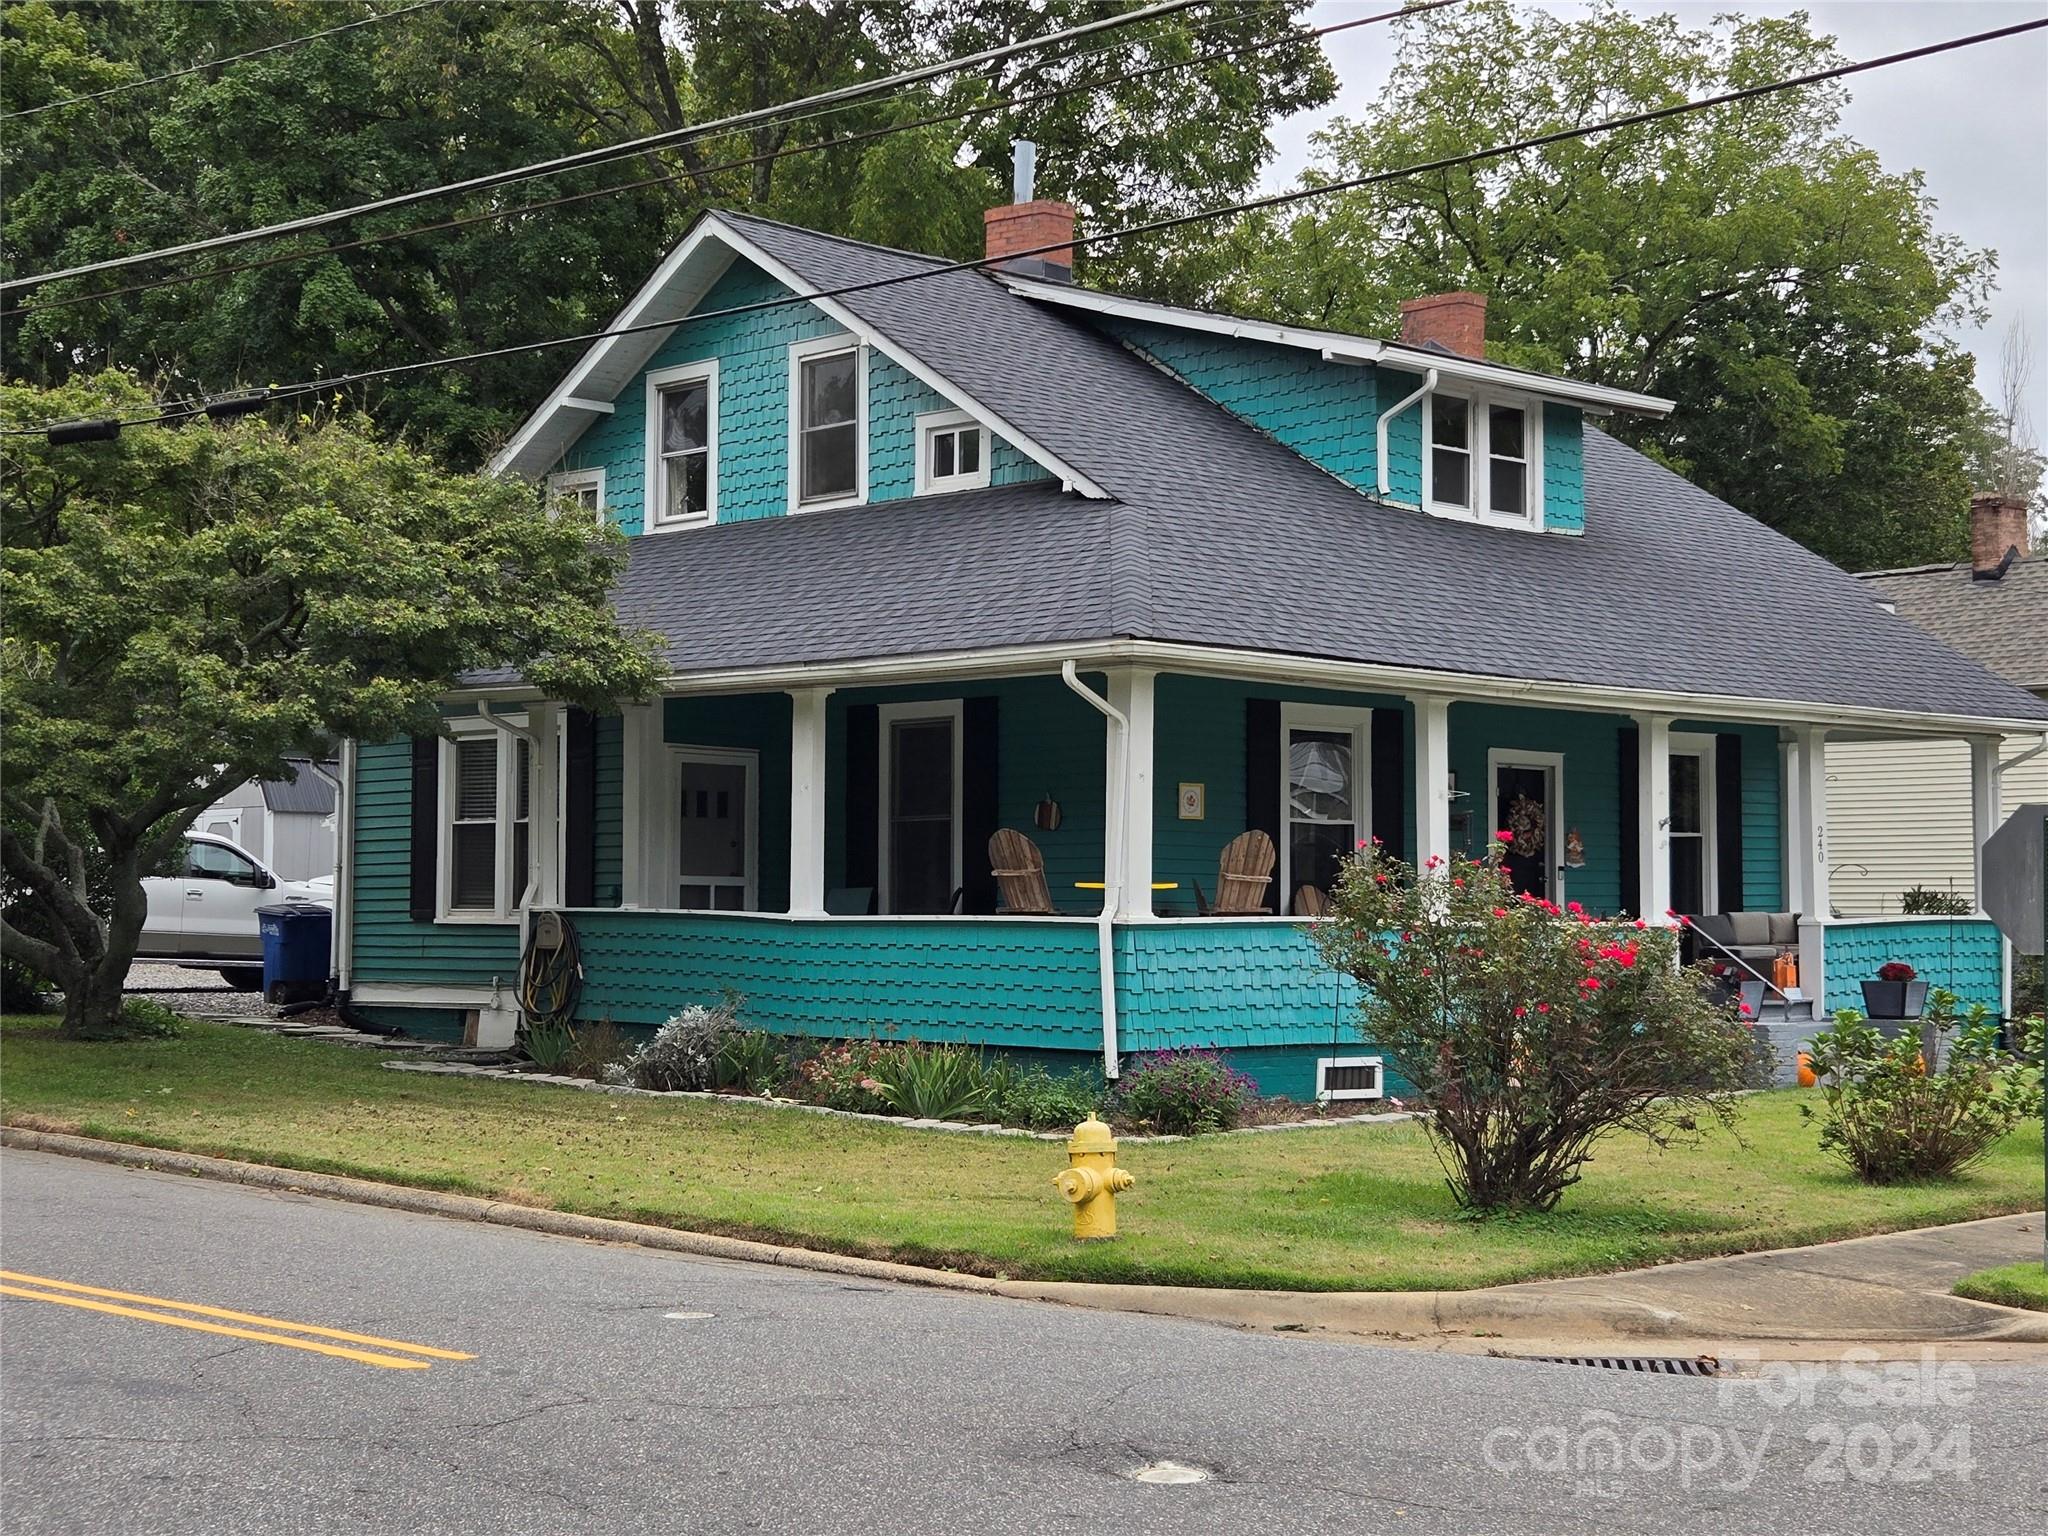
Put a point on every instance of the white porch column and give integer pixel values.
(1806, 852)
(1984, 807)
(807, 769)
(1132, 691)
(544, 808)
(1433, 778)
(1653, 813)
(639, 736)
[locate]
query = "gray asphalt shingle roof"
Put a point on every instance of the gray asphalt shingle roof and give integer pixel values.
(1218, 535)
(2002, 623)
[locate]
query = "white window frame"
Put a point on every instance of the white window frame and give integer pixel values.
(573, 482)
(802, 352)
(746, 758)
(1702, 746)
(505, 905)
(1498, 758)
(929, 425)
(654, 489)
(888, 716)
(1327, 1095)
(1321, 717)
(1480, 479)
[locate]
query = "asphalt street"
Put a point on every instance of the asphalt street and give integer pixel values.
(620, 1390)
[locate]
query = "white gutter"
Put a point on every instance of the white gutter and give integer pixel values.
(1386, 488)
(1308, 671)
(344, 865)
(2027, 756)
(1113, 822)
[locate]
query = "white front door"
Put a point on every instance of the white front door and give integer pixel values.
(715, 837)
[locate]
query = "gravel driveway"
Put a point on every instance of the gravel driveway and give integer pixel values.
(195, 991)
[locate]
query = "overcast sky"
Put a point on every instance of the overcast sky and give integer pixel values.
(1975, 121)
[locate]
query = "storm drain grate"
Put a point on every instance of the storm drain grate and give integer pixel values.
(1649, 1365)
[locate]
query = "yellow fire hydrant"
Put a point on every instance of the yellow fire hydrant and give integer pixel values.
(1091, 1179)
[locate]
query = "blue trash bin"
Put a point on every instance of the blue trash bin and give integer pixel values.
(296, 946)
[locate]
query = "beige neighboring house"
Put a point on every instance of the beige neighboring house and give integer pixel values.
(1899, 812)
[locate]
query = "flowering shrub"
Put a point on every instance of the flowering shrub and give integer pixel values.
(1183, 1092)
(1896, 970)
(847, 1074)
(1889, 1118)
(1529, 1030)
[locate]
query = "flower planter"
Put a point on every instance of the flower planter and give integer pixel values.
(1894, 999)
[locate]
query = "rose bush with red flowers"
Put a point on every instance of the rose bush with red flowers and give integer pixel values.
(1530, 1030)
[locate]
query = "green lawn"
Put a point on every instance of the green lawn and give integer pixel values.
(1354, 1208)
(2011, 1285)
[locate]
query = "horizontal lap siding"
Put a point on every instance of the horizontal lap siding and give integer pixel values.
(1962, 955)
(388, 944)
(1018, 984)
(754, 410)
(1199, 738)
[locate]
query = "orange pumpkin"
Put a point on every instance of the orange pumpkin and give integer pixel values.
(1807, 1079)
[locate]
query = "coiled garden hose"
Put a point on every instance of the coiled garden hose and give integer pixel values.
(550, 978)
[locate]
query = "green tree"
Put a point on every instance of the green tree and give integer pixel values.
(473, 86)
(186, 608)
(1752, 263)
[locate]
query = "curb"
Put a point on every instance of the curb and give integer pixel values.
(1506, 1312)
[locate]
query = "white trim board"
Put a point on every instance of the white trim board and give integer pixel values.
(1338, 347)
(532, 450)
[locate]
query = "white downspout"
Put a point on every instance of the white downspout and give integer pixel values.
(1113, 817)
(1386, 416)
(344, 864)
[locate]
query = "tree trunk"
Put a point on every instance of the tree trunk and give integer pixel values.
(92, 1006)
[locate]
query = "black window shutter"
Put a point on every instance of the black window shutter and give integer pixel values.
(1629, 835)
(1728, 818)
(579, 809)
(426, 825)
(1262, 768)
(1390, 781)
(863, 793)
(979, 797)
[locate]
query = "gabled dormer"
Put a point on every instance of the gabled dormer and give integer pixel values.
(735, 391)
(1504, 446)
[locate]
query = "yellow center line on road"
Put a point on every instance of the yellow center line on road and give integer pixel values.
(388, 1362)
(223, 1312)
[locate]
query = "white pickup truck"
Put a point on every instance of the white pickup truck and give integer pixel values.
(204, 914)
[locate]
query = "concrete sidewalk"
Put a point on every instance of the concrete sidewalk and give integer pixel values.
(1892, 1289)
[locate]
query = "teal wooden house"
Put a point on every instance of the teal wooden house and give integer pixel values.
(938, 552)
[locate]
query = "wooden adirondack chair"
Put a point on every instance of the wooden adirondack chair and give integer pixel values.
(1242, 876)
(1019, 869)
(1309, 901)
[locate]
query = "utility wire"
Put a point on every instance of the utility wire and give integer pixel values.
(257, 398)
(1029, 98)
(624, 149)
(233, 58)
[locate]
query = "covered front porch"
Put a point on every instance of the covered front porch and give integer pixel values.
(822, 849)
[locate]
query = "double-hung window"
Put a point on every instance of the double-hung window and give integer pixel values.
(682, 446)
(952, 453)
(827, 425)
(486, 843)
(1323, 813)
(1481, 460)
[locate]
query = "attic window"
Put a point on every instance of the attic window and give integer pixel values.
(682, 446)
(1483, 460)
(828, 439)
(582, 489)
(952, 453)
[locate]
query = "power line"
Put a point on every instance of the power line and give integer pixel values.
(623, 150)
(256, 399)
(1029, 98)
(233, 58)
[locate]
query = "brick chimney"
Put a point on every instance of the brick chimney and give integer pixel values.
(1027, 223)
(1454, 321)
(1997, 524)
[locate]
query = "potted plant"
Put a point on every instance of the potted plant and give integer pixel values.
(1895, 994)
